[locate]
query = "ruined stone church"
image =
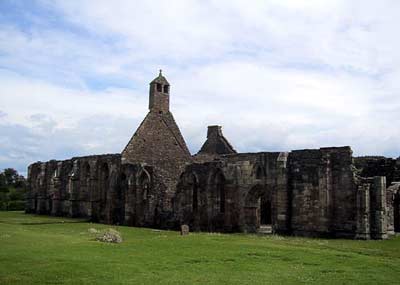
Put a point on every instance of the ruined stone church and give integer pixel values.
(156, 182)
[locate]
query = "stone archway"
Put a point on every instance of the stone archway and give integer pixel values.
(216, 201)
(99, 193)
(144, 199)
(193, 201)
(258, 208)
(117, 203)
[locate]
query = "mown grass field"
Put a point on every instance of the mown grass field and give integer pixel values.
(48, 250)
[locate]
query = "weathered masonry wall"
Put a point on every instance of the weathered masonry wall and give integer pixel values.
(370, 166)
(372, 209)
(393, 206)
(380, 196)
(225, 195)
(71, 187)
(98, 188)
(155, 182)
(323, 192)
(304, 192)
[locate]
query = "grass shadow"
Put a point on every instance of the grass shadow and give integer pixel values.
(51, 223)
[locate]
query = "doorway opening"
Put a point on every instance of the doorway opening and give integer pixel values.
(396, 210)
(265, 212)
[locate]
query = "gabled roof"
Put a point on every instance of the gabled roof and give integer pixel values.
(158, 138)
(216, 143)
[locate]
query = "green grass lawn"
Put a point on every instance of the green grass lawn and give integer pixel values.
(48, 250)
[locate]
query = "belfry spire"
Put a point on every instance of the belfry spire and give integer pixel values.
(159, 94)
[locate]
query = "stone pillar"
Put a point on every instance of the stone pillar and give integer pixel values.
(378, 208)
(363, 212)
(282, 222)
(73, 200)
(54, 196)
(94, 199)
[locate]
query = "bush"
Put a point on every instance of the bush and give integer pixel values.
(12, 190)
(15, 194)
(3, 206)
(109, 235)
(16, 205)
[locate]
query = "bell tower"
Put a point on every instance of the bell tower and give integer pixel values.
(159, 95)
(159, 143)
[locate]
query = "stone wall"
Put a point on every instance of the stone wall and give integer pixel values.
(155, 182)
(393, 206)
(384, 218)
(370, 166)
(304, 192)
(99, 188)
(228, 193)
(323, 192)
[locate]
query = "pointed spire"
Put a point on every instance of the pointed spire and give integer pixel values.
(160, 79)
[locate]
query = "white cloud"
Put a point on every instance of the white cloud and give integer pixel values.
(278, 75)
(23, 97)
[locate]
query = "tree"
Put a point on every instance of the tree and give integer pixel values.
(11, 176)
(12, 190)
(3, 185)
(20, 182)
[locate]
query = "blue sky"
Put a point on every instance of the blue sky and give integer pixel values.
(277, 75)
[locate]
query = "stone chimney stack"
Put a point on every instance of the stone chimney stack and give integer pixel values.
(215, 145)
(214, 132)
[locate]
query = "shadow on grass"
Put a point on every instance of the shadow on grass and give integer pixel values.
(42, 223)
(50, 223)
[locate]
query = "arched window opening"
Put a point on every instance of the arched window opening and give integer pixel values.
(104, 179)
(159, 87)
(122, 186)
(87, 170)
(86, 174)
(145, 185)
(166, 89)
(70, 186)
(71, 182)
(259, 173)
(118, 201)
(104, 172)
(220, 189)
(194, 192)
(131, 180)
